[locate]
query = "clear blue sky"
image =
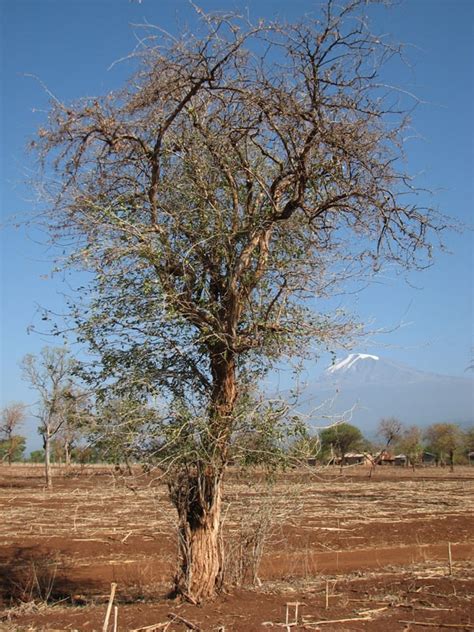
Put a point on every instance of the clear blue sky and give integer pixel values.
(70, 45)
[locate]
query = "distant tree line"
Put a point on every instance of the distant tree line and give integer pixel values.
(444, 443)
(82, 427)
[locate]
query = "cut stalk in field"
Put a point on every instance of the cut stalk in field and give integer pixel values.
(113, 588)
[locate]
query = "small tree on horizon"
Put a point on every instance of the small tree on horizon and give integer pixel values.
(390, 430)
(76, 418)
(243, 171)
(12, 449)
(37, 456)
(12, 417)
(340, 439)
(468, 443)
(410, 442)
(51, 375)
(444, 439)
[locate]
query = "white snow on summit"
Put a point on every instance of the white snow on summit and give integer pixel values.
(375, 387)
(350, 361)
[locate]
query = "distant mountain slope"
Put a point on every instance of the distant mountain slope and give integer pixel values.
(376, 387)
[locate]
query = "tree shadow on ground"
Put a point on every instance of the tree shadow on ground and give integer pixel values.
(32, 574)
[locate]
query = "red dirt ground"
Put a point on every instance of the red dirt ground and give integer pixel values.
(378, 546)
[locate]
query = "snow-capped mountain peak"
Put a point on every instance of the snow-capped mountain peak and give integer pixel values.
(349, 362)
(374, 387)
(365, 368)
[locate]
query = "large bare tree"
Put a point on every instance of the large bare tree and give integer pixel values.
(242, 173)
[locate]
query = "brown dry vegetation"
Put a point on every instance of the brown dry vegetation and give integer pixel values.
(379, 547)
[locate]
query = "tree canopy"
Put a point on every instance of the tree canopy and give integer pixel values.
(410, 443)
(12, 445)
(444, 439)
(340, 439)
(12, 449)
(51, 375)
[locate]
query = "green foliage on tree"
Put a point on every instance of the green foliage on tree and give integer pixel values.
(264, 433)
(84, 454)
(12, 417)
(339, 439)
(410, 443)
(37, 456)
(468, 440)
(444, 440)
(12, 449)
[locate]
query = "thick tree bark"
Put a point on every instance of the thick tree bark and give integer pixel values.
(198, 502)
(196, 492)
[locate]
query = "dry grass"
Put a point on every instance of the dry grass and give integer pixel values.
(105, 507)
(123, 528)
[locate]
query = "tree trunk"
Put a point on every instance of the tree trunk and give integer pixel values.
(196, 491)
(127, 463)
(198, 502)
(47, 459)
(10, 449)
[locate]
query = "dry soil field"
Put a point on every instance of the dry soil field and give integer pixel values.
(356, 553)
